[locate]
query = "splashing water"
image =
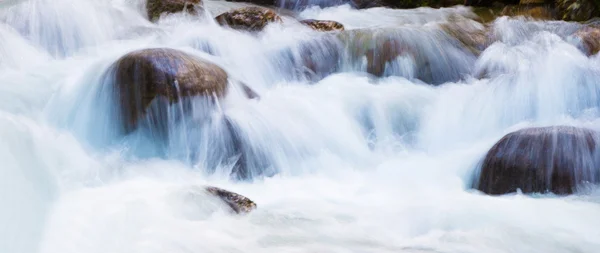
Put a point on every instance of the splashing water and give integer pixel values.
(353, 162)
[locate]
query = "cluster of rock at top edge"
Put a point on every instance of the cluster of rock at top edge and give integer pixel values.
(252, 18)
(255, 18)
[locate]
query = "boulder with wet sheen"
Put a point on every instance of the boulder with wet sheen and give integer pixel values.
(554, 159)
(144, 75)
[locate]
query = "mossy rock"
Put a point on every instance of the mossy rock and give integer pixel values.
(155, 8)
(323, 25)
(238, 203)
(577, 10)
(248, 18)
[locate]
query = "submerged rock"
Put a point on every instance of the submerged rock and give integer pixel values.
(378, 48)
(144, 75)
(238, 203)
(320, 57)
(248, 18)
(155, 8)
(471, 34)
(249, 92)
(323, 25)
(538, 160)
(590, 39)
(425, 54)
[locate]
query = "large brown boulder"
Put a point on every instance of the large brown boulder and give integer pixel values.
(554, 159)
(144, 75)
(155, 8)
(323, 25)
(248, 18)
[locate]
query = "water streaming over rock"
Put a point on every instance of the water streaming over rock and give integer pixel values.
(366, 140)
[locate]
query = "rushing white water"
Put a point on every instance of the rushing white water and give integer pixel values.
(360, 164)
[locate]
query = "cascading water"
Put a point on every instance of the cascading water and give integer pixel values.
(338, 160)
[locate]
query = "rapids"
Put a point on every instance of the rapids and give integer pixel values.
(356, 163)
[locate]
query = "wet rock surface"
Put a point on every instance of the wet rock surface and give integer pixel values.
(144, 75)
(249, 18)
(554, 159)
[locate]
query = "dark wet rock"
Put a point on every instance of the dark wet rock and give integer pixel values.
(144, 75)
(238, 203)
(590, 39)
(543, 12)
(554, 159)
(577, 10)
(323, 25)
(248, 18)
(155, 8)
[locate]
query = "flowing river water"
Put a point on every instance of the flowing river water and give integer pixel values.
(357, 163)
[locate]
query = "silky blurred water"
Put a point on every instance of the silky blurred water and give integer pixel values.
(356, 163)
